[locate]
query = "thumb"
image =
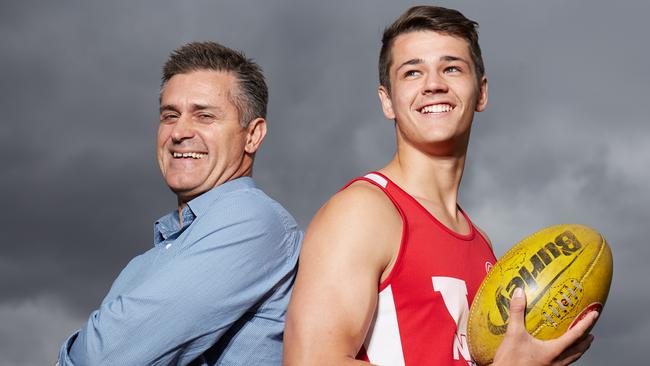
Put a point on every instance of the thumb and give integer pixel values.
(517, 310)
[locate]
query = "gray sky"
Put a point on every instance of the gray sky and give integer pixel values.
(563, 139)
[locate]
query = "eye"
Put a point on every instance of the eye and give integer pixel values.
(168, 117)
(452, 69)
(205, 117)
(411, 73)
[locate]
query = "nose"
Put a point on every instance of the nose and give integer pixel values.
(435, 83)
(183, 129)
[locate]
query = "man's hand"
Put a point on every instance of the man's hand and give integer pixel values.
(520, 348)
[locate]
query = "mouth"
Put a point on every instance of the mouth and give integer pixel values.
(188, 155)
(439, 108)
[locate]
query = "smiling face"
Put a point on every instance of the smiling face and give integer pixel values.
(201, 142)
(434, 92)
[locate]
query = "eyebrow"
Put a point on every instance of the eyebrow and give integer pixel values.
(168, 107)
(453, 58)
(418, 61)
(413, 61)
(220, 112)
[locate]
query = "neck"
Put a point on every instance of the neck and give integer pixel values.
(434, 179)
(245, 169)
(180, 212)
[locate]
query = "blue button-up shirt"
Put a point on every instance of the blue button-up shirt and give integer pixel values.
(213, 291)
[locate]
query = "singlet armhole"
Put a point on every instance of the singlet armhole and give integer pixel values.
(379, 182)
(484, 236)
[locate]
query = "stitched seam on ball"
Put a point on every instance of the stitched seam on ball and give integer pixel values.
(473, 310)
(471, 316)
(489, 275)
(543, 324)
(539, 329)
(592, 264)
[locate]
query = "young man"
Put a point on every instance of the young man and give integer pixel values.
(214, 288)
(391, 262)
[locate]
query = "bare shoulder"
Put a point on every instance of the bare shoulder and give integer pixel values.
(360, 219)
(364, 200)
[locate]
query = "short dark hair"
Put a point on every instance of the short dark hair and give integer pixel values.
(252, 95)
(432, 18)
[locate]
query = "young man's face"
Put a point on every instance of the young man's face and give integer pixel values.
(200, 140)
(434, 91)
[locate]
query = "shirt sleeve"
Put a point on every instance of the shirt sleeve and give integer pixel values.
(230, 258)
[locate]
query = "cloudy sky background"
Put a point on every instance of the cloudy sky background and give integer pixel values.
(564, 138)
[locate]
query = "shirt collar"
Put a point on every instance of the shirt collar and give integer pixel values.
(168, 225)
(201, 203)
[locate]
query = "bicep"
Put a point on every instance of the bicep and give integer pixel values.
(335, 295)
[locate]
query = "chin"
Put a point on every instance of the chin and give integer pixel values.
(179, 186)
(185, 194)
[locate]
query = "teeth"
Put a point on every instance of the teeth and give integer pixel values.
(436, 108)
(193, 155)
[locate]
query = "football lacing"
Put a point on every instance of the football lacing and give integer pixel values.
(563, 300)
(550, 320)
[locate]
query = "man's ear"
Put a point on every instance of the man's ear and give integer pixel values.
(255, 133)
(386, 102)
(481, 103)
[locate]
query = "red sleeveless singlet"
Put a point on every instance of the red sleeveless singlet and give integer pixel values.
(423, 307)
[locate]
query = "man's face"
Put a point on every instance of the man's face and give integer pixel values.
(201, 143)
(434, 91)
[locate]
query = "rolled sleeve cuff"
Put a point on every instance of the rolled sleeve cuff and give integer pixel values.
(64, 353)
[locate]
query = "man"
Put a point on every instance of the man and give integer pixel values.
(214, 289)
(391, 262)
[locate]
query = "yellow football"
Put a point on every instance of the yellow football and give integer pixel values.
(565, 271)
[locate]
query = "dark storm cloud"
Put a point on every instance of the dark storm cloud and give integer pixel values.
(563, 139)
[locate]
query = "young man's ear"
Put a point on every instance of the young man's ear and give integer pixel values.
(386, 103)
(482, 100)
(255, 133)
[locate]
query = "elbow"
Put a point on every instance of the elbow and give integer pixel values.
(98, 347)
(296, 352)
(291, 355)
(301, 349)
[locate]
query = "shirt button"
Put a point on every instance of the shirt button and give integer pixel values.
(168, 246)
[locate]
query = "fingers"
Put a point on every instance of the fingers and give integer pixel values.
(573, 353)
(580, 330)
(517, 310)
(579, 347)
(571, 359)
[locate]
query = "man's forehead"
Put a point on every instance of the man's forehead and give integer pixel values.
(424, 44)
(202, 78)
(202, 83)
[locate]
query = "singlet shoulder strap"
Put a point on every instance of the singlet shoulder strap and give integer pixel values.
(389, 189)
(408, 205)
(373, 178)
(378, 179)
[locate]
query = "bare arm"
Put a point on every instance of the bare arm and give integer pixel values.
(349, 246)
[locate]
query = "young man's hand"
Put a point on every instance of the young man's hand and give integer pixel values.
(520, 348)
